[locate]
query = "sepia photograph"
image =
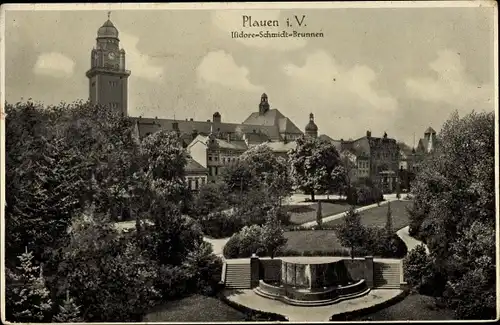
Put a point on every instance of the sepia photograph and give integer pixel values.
(249, 162)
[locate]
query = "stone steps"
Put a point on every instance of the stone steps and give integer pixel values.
(387, 276)
(237, 276)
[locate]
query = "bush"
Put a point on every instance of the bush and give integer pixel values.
(232, 247)
(220, 224)
(379, 243)
(421, 273)
(205, 269)
(364, 195)
(245, 243)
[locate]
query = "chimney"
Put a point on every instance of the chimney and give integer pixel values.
(368, 134)
(191, 119)
(208, 121)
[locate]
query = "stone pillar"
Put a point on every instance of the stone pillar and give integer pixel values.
(254, 271)
(369, 277)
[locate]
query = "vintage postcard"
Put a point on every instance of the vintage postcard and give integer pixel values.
(262, 162)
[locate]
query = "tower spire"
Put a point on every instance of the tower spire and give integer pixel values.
(109, 15)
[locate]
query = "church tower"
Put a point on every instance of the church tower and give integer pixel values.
(311, 127)
(107, 75)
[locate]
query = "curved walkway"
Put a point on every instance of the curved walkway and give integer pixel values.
(409, 241)
(326, 219)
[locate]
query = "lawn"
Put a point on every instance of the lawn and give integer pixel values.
(195, 308)
(304, 213)
(377, 216)
(413, 307)
(312, 240)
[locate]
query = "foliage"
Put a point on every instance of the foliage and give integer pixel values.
(471, 286)
(244, 243)
(315, 165)
(205, 268)
(319, 215)
(351, 232)
(272, 236)
(106, 273)
(238, 177)
(363, 194)
(69, 311)
(28, 299)
(388, 224)
(220, 224)
(378, 242)
(455, 190)
(211, 197)
(71, 171)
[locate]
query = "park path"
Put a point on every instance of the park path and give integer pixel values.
(329, 218)
(219, 243)
(410, 241)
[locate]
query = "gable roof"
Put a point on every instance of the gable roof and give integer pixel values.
(430, 131)
(273, 117)
(151, 125)
(238, 145)
(193, 166)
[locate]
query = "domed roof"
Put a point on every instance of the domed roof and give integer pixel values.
(311, 126)
(107, 30)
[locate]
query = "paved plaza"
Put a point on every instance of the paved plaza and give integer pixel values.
(250, 299)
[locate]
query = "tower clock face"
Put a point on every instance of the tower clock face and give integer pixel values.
(111, 55)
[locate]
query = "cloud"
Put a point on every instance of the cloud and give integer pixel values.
(232, 21)
(140, 63)
(450, 85)
(54, 64)
(219, 67)
(345, 100)
(322, 77)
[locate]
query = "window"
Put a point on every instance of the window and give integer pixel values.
(196, 185)
(210, 158)
(113, 83)
(190, 183)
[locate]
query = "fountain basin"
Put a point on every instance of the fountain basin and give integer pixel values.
(316, 284)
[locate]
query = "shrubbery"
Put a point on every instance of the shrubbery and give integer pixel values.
(264, 240)
(421, 274)
(220, 224)
(364, 195)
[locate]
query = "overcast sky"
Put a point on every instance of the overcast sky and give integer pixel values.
(393, 70)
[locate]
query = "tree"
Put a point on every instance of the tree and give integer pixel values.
(319, 215)
(107, 273)
(471, 284)
(28, 299)
(349, 166)
(351, 232)
(272, 234)
(314, 164)
(205, 268)
(454, 197)
(238, 177)
(265, 168)
(388, 223)
(69, 311)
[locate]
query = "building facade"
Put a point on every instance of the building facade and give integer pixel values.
(376, 159)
